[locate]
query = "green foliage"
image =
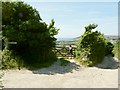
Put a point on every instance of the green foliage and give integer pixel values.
(9, 60)
(64, 62)
(35, 39)
(109, 48)
(93, 46)
(117, 49)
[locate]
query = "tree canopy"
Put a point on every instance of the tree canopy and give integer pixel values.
(23, 24)
(93, 46)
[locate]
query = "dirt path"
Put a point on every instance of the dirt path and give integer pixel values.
(56, 76)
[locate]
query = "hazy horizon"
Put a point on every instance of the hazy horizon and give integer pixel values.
(79, 36)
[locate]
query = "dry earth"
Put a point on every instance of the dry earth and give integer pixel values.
(56, 76)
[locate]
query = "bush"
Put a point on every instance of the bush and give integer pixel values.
(35, 39)
(93, 46)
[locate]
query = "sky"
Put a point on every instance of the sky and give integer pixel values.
(72, 17)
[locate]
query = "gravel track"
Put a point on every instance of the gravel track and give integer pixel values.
(56, 76)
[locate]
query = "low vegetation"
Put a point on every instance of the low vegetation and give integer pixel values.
(117, 49)
(1, 81)
(64, 62)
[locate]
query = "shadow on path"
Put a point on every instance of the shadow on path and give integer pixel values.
(109, 62)
(56, 68)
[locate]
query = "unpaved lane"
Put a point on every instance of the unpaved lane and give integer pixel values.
(56, 77)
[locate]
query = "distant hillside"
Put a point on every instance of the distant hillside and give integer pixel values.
(112, 36)
(77, 38)
(109, 37)
(66, 41)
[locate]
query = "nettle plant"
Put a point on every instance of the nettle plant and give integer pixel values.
(93, 46)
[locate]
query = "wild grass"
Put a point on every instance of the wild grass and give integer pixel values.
(64, 62)
(117, 49)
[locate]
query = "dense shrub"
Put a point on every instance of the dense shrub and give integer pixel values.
(93, 46)
(35, 39)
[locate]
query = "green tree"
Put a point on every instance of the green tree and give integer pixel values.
(35, 39)
(93, 46)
